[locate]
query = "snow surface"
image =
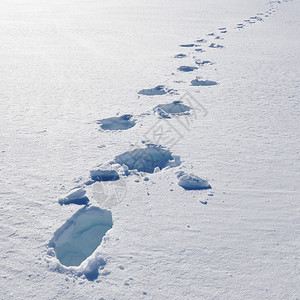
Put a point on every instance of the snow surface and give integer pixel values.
(66, 64)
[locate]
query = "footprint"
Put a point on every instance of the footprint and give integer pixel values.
(149, 159)
(223, 31)
(117, 123)
(193, 182)
(159, 90)
(203, 62)
(174, 108)
(213, 45)
(201, 41)
(197, 82)
(210, 34)
(180, 55)
(187, 69)
(199, 50)
(222, 28)
(80, 236)
(187, 45)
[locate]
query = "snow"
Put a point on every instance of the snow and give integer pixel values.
(66, 64)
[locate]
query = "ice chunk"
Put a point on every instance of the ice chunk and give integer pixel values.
(104, 173)
(75, 196)
(193, 182)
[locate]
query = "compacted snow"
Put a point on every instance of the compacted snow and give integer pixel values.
(190, 188)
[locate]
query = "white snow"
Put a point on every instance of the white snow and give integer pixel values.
(65, 64)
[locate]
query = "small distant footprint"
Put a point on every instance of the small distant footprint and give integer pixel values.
(187, 69)
(197, 82)
(213, 45)
(187, 45)
(201, 41)
(159, 90)
(203, 62)
(200, 50)
(181, 55)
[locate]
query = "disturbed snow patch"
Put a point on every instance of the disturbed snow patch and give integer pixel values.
(117, 123)
(193, 182)
(148, 159)
(80, 236)
(197, 82)
(174, 108)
